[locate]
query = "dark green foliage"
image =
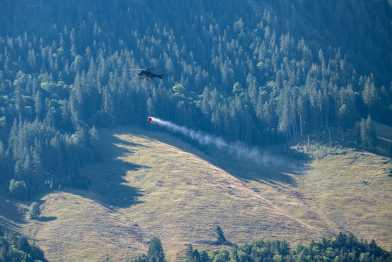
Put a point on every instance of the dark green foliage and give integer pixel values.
(35, 210)
(246, 70)
(155, 252)
(44, 158)
(193, 255)
(190, 256)
(345, 247)
(220, 236)
(142, 258)
(16, 248)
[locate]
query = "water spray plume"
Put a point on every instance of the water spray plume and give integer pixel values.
(237, 149)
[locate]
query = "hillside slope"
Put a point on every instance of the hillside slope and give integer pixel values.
(361, 28)
(150, 184)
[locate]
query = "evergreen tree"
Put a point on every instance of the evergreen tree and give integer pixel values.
(220, 236)
(155, 251)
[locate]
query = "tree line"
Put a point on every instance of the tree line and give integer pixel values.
(342, 248)
(255, 83)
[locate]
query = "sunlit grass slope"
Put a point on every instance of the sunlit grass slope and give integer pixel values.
(152, 184)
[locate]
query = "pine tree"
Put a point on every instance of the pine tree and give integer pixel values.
(189, 253)
(220, 236)
(155, 251)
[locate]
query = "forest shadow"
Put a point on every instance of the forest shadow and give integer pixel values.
(45, 218)
(214, 243)
(107, 177)
(280, 164)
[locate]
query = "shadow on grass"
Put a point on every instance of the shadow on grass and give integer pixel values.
(214, 243)
(107, 177)
(45, 218)
(279, 165)
(108, 185)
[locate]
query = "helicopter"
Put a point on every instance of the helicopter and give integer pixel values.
(147, 74)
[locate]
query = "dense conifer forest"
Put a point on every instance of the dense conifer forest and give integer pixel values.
(265, 73)
(261, 73)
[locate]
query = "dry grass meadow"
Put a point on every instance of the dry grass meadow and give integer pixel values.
(152, 184)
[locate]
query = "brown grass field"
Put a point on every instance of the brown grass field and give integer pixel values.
(152, 184)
